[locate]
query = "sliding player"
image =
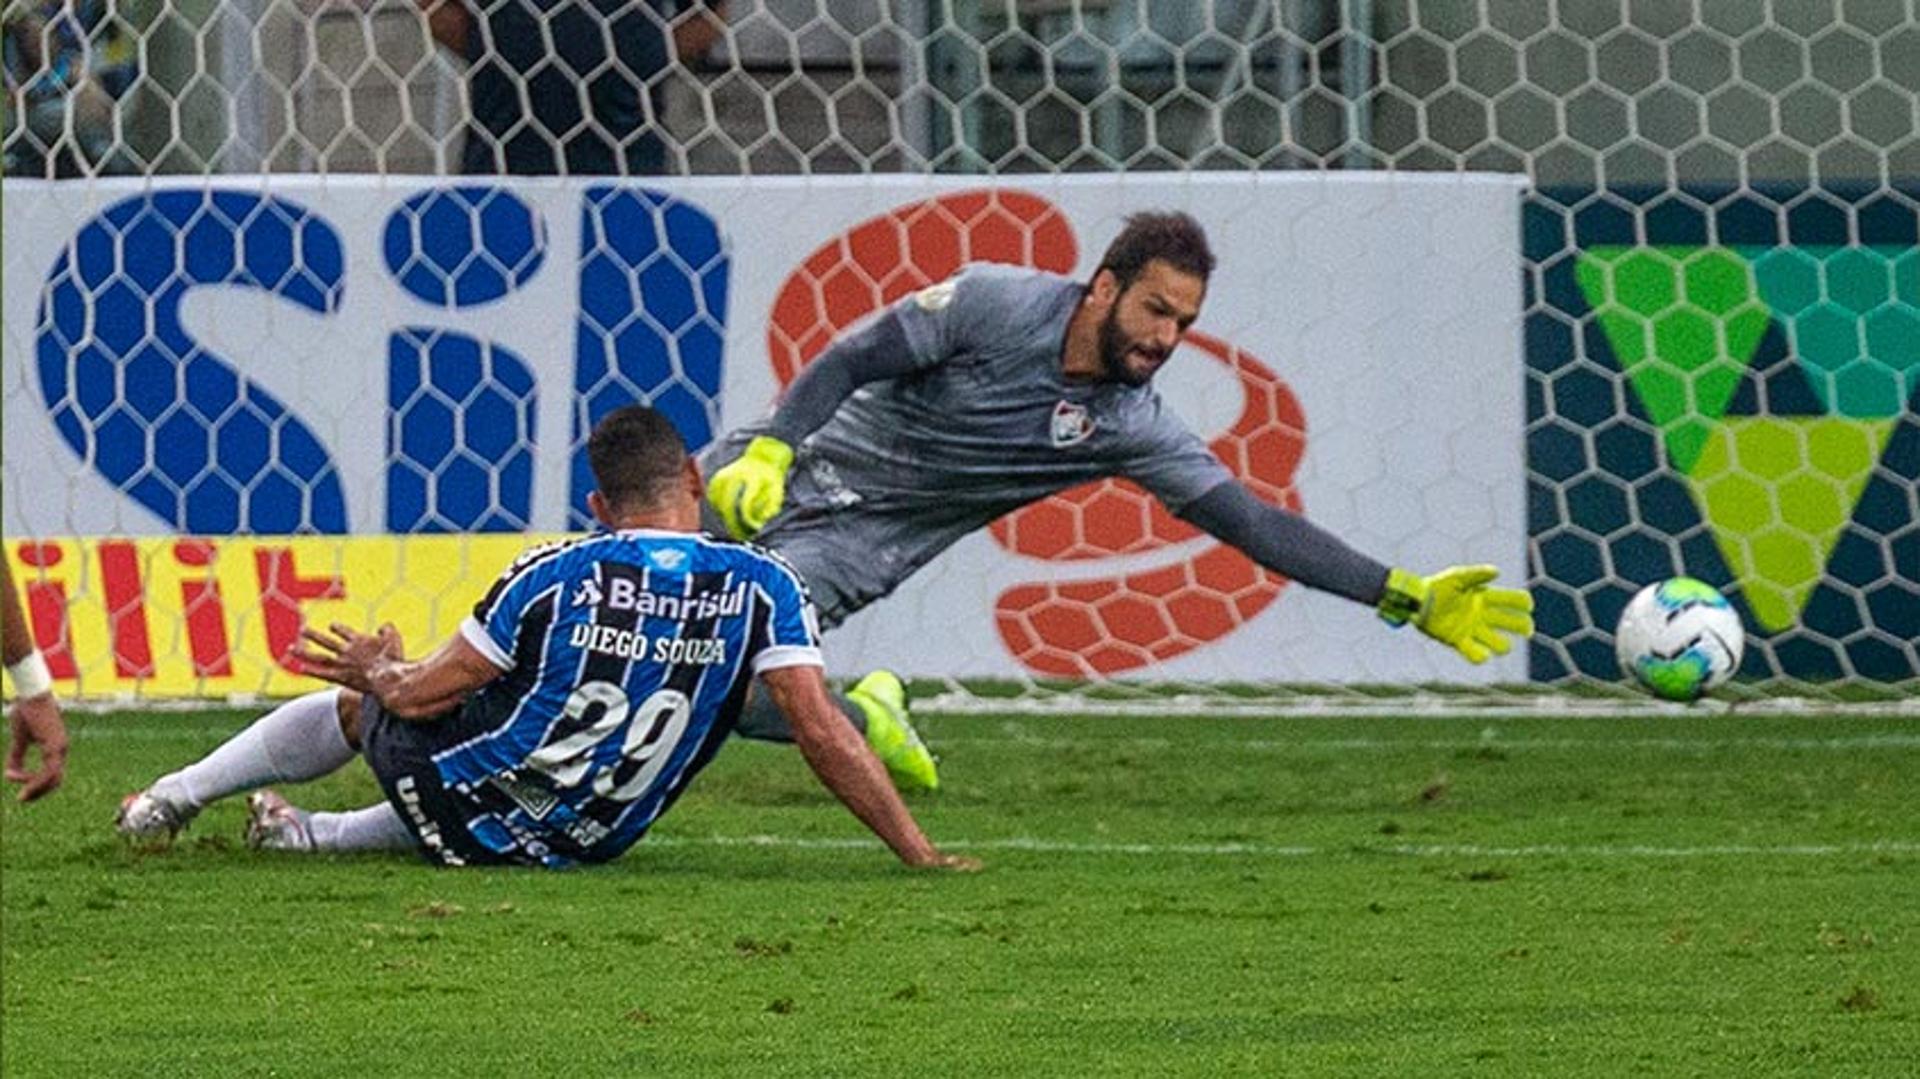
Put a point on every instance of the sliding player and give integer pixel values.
(596, 678)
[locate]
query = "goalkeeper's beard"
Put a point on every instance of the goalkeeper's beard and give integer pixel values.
(1114, 350)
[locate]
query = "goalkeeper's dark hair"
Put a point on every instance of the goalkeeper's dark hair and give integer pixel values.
(636, 456)
(1170, 236)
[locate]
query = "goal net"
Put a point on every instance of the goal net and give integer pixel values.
(1599, 292)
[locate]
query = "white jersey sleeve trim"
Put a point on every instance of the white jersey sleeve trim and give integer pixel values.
(476, 635)
(787, 655)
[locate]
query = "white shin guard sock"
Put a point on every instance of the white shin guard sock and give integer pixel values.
(298, 741)
(377, 827)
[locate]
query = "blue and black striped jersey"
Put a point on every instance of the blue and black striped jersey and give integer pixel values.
(626, 657)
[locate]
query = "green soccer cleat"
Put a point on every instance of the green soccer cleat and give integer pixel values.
(883, 701)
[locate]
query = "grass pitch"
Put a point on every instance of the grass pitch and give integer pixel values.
(1682, 896)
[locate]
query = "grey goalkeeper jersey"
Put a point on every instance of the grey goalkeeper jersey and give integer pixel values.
(981, 422)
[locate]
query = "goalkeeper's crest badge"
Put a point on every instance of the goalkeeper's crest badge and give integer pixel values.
(1071, 425)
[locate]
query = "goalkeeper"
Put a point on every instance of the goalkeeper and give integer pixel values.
(1000, 387)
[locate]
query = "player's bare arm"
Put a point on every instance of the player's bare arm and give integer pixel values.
(849, 769)
(373, 664)
(34, 718)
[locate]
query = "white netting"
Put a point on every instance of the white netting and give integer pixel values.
(1719, 252)
(1643, 92)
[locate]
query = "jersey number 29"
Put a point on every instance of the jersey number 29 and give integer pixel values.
(657, 727)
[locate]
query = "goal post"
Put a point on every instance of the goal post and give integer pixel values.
(1655, 268)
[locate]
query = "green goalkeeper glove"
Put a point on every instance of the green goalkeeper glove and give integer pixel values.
(1456, 608)
(749, 492)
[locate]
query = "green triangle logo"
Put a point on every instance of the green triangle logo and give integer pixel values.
(1684, 323)
(1777, 491)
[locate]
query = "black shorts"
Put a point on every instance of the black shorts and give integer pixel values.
(400, 752)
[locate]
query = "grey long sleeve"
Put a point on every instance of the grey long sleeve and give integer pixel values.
(877, 351)
(1287, 543)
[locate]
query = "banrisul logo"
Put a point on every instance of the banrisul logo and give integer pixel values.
(1776, 376)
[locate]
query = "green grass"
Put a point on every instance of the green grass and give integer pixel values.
(1690, 896)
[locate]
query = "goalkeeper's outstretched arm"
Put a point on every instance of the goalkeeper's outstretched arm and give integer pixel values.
(1457, 606)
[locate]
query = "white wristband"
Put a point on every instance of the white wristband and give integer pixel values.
(30, 676)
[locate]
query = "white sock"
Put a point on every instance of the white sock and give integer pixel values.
(298, 741)
(377, 827)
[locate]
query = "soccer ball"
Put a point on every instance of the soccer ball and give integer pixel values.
(1679, 639)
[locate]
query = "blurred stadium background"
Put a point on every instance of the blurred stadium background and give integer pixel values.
(1718, 281)
(1625, 92)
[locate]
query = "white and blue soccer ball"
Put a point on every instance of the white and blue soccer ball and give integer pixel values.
(1679, 639)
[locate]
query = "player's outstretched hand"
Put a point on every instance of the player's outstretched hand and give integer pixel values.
(1459, 607)
(750, 491)
(35, 721)
(346, 656)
